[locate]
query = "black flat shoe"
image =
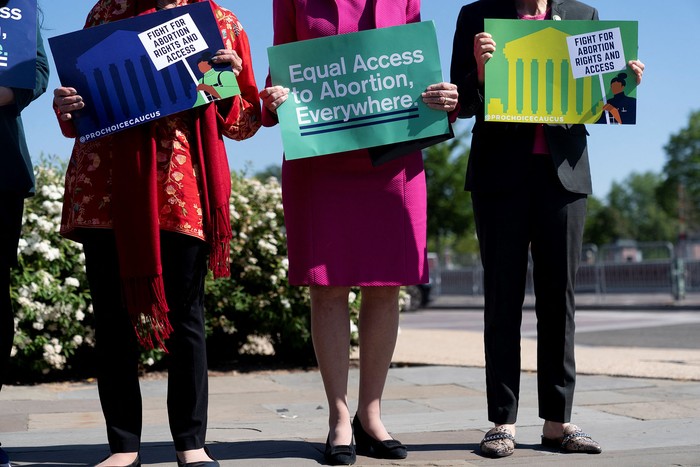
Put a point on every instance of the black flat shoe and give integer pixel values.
(387, 449)
(136, 463)
(343, 454)
(212, 463)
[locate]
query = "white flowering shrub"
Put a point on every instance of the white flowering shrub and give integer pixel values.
(258, 302)
(54, 333)
(50, 296)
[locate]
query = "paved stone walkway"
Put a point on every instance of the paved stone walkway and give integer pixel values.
(641, 404)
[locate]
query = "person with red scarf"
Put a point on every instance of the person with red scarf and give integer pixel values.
(150, 205)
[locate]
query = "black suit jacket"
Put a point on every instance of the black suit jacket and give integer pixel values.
(499, 151)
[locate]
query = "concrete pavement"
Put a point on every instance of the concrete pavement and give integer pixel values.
(456, 322)
(434, 402)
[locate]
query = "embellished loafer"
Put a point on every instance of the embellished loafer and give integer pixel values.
(498, 442)
(343, 454)
(366, 444)
(574, 440)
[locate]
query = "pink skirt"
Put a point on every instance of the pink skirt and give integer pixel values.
(351, 224)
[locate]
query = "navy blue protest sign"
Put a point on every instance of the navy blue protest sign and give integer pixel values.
(140, 69)
(18, 43)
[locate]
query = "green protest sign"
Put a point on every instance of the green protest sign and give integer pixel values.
(562, 72)
(357, 90)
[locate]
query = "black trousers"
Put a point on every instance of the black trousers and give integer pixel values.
(184, 261)
(548, 220)
(10, 229)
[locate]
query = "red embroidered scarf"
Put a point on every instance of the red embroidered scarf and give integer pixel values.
(135, 209)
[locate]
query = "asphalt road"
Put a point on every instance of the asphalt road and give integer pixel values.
(620, 328)
(679, 336)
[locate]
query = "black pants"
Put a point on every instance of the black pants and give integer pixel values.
(549, 220)
(184, 261)
(10, 229)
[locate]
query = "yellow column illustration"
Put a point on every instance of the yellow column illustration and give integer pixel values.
(529, 49)
(512, 86)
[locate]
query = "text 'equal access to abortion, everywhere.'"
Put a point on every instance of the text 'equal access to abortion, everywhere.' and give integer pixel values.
(357, 90)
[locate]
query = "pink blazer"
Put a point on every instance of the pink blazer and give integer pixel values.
(298, 20)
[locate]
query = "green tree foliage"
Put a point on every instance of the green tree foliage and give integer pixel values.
(603, 224)
(680, 193)
(636, 201)
(450, 215)
(651, 207)
(272, 170)
(632, 212)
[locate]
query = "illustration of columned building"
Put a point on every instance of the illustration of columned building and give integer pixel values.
(557, 93)
(125, 86)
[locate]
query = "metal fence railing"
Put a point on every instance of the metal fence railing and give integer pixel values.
(620, 268)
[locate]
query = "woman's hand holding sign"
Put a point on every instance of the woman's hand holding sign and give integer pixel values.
(638, 69)
(67, 100)
(273, 97)
(228, 56)
(484, 47)
(441, 96)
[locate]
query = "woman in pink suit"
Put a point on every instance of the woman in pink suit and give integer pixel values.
(352, 224)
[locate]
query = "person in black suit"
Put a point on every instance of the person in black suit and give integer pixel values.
(529, 184)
